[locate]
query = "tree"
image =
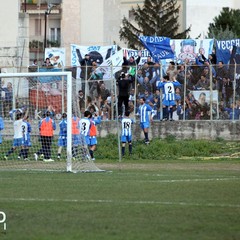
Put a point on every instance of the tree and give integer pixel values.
(156, 17)
(226, 25)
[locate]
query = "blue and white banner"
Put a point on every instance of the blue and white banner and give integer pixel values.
(127, 52)
(159, 47)
(56, 56)
(190, 48)
(224, 49)
(97, 53)
(111, 65)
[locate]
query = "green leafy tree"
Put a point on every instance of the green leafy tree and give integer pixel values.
(156, 17)
(225, 25)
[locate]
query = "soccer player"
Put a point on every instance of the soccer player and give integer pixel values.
(19, 131)
(169, 96)
(95, 119)
(1, 128)
(84, 124)
(126, 133)
(26, 128)
(146, 114)
(46, 126)
(62, 139)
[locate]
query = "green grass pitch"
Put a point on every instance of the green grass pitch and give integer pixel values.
(182, 200)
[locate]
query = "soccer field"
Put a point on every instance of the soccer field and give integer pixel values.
(184, 200)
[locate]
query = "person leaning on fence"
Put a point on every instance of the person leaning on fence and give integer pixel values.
(46, 126)
(86, 65)
(123, 82)
(169, 102)
(47, 63)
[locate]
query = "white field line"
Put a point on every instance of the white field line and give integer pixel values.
(109, 201)
(193, 180)
(152, 181)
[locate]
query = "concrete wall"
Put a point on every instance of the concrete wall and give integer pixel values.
(180, 129)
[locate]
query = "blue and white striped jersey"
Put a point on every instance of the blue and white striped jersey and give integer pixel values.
(127, 126)
(84, 126)
(169, 89)
(144, 111)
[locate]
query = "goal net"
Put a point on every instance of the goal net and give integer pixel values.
(28, 99)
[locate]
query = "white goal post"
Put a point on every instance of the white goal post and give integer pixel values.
(83, 164)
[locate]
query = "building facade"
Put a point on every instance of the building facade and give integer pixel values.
(97, 22)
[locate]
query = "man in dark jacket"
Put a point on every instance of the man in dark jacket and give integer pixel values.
(86, 66)
(124, 82)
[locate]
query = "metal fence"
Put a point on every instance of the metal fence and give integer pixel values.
(206, 92)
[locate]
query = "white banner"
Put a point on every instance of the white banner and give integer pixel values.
(57, 56)
(97, 53)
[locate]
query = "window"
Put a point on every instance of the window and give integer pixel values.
(38, 27)
(55, 35)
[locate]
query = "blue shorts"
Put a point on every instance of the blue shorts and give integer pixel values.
(27, 143)
(75, 139)
(168, 103)
(92, 141)
(17, 142)
(62, 141)
(144, 125)
(126, 139)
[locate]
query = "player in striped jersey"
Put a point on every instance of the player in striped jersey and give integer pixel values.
(169, 102)
(19, 134)
(85, 124)
(26, 130)
(126, 135)
(146, 114)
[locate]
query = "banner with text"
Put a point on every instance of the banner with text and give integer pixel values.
(97, 53)
(159, 47)
(224, 49)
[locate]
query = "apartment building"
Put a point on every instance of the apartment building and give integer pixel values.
(31, 25)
